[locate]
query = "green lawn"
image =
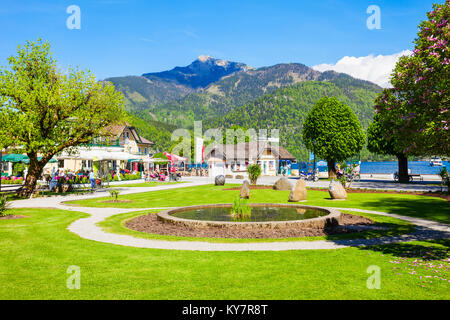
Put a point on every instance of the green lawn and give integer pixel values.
(404, 204)
(35, 253)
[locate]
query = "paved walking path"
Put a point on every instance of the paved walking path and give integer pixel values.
(87, 228)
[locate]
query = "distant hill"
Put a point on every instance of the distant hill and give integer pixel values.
(142, 93)
(286, 109)
(222, 93)
(241, 88)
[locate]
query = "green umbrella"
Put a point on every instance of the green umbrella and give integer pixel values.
(27, 160)
(14, 158)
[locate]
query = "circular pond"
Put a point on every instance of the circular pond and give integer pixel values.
(261, 215)
(258, 214)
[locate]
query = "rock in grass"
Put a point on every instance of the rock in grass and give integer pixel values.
(220, 180)
(282, 184)
(337, 191)
(299, 193)
(245, 190)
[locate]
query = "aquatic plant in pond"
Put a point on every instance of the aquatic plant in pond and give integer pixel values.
(241, 209)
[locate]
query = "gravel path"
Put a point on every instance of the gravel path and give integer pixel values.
(87, 228)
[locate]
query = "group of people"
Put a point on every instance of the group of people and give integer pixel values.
(161, 175)
(155, 175)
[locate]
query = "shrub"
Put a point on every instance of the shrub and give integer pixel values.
(445, 177)
(4, 205)
(254, 172)
(114, 194)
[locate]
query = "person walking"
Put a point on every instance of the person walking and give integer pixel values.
(92, 180)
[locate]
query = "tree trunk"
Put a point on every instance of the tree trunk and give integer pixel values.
(34, 172)
(403, 175)
(331, 169)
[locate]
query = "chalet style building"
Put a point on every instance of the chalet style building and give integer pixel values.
(226, 159)
(124, 148)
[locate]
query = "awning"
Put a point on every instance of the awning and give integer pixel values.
(98, 155)
(174, 157)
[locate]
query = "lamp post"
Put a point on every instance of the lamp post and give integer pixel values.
(314, 151)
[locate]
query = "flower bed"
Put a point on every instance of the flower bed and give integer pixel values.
(12, 180)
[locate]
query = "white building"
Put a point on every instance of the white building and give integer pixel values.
(234, 159)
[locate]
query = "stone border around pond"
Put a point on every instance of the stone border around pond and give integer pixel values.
(330, 220)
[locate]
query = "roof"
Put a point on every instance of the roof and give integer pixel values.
(248, 150)
(145, 141)
(117, 130)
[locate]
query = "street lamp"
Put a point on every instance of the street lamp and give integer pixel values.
(314, 152)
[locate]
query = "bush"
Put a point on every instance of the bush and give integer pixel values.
(254, 172)
(445, 178)
(114, 194)
(4, 205)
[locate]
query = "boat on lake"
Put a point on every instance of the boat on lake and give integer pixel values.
(436, 162)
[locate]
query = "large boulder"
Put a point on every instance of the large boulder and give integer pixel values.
(219, 180)
(337, 191)
(282, 184)
(299, 192)
(245, 190)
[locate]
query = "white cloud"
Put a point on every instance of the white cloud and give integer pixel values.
(376, 69)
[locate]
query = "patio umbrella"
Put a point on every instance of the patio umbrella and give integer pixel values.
(27, 160)
(14, 158)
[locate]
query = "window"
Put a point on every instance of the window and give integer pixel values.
(145, 150)
(60, 163)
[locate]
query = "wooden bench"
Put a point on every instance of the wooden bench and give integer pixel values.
(413, 176)
(10, 189)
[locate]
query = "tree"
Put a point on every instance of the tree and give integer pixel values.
(254, 172)
(422, 87)
(381, 139)
(44, 111)
(333, 132)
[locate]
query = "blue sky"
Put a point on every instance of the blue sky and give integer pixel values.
(131, 37)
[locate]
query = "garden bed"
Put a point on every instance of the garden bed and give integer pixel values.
(12, 217)
(150, 224)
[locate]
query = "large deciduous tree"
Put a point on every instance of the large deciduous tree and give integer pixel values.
(422, 88)
(44, 111)
(333, 132)
(412, 118)
(381, 139)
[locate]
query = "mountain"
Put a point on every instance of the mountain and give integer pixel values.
(285, 109)
(153, 89)
(199, 74)
(240, 88)
(142, 93)
(223, 93)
